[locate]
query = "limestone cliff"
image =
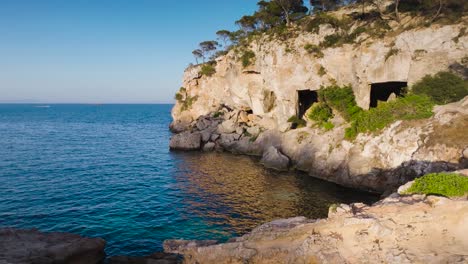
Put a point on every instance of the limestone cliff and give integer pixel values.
(246, 109)
(270, 86)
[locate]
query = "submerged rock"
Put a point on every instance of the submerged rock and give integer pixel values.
(27, 246)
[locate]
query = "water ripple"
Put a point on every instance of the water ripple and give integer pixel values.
(105, 171)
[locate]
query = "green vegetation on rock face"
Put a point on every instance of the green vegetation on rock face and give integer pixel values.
(404, 108)
(442, 88)
(341, 100)
(297, 122)
(446, 184)
(207, 69)
(184, 99)
(320, 113)
(247, 58)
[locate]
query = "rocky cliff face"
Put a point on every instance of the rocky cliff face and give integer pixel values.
(245, 110)
(411, 229)
(270, 86)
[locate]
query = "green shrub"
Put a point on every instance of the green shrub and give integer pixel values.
(188, 102)
(340, 99)
(247, 58)
(208, 69)
(331, 40)
(446, 184)
(297, 122)
(218, 114)
(404, 108)
(319, 112)
(443, 88)
(328, 126)
(179, 97)
(313, 25)
(314, 49)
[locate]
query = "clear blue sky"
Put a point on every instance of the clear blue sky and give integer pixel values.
(104, 51)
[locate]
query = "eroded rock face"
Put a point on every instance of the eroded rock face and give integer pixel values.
(412, 229)
(31, 246)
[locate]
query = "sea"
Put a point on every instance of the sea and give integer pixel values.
(106, 171)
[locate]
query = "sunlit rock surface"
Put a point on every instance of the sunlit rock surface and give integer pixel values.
(411, 229)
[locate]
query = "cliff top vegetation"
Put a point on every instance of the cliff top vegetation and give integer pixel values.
(285, 19)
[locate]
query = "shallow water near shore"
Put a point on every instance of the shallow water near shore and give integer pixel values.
(106, 171)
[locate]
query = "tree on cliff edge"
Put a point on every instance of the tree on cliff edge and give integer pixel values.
(291, 7)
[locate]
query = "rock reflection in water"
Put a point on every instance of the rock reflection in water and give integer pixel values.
(237, 194)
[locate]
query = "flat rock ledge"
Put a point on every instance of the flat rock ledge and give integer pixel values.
(31, 246)
(397, 229)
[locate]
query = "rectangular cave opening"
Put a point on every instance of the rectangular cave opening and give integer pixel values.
(382, 91)
(305, 99)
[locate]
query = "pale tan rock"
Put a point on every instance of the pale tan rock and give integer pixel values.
(406, 230)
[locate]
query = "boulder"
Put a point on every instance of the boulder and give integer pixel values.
(203, 123)
(185, 141)
(253, 130)
(209, 146)
(179, 126)
(274, 159)
(206, 135)
(243, 117)
(226, 127)
(22, 246)
(214, 137)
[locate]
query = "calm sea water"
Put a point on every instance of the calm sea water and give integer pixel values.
(105, 171)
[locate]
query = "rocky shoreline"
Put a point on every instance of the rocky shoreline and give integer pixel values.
(380, 163)
(397, 229)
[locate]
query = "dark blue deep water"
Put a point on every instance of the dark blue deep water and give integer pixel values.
(105, 171)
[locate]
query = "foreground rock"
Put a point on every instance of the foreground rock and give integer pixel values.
(31, 246)
(411, 229)
(156, 258)
(186, 141)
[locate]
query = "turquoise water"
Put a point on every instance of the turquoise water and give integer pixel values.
(105, 171)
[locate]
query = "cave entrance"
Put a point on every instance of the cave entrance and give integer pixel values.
(305, 99)
(382, 91)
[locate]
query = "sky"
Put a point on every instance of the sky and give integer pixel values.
(104, 51)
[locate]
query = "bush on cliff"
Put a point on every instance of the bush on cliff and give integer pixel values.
(404, 108)
(208, 69)
(320, 113)
(446, 184)
(247, 58)
(296, 122)
(340, 99)
(443, 88)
